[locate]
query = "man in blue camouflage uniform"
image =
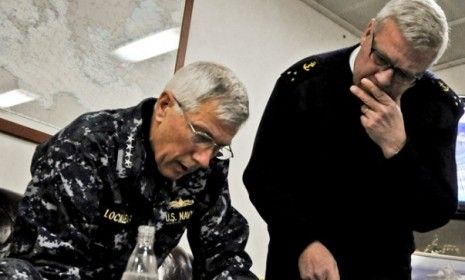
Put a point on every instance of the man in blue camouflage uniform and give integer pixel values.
(357, 148)
(163, 162)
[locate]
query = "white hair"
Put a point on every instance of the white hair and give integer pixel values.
(422, 22)
(203, 81)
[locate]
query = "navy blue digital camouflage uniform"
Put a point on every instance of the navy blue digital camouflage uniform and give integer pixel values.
(96, 181)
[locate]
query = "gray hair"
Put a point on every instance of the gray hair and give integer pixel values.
(422, 22)
(203, 81)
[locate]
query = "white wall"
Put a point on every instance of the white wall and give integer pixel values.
(258, 39)
(16, 156)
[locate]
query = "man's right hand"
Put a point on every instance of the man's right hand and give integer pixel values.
(317, 263)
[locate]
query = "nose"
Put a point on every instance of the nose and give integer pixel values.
(384, 77)
(203, 156)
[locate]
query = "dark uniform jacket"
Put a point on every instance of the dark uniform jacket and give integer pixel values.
(315, 174)
(95, 182)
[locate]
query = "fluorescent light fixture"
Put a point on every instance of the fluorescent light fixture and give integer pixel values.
(150, 46)
(15, 97)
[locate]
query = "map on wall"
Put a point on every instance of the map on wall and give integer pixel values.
(63, 54)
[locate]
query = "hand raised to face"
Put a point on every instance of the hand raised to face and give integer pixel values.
(381, 117)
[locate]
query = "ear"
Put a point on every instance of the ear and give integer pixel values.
(368, 31)
(164, 102)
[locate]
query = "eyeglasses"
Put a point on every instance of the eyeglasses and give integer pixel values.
(203, 140)
(399, 76)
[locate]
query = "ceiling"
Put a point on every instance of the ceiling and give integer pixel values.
(354, 15)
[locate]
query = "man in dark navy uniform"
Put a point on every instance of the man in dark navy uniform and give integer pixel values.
(163, 162)
(355, 151)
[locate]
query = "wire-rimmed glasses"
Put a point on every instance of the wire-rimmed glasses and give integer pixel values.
(204, 140)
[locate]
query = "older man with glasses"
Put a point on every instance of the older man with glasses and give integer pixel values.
(163, 162)
(355, 151)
